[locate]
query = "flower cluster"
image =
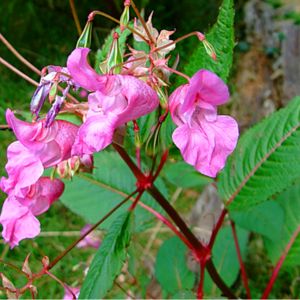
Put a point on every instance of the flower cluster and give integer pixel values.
(114, 98)
(30, 194)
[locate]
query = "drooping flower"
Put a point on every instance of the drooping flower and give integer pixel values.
(51, 145)
(19, 211)
(205, 139)
(115, 100)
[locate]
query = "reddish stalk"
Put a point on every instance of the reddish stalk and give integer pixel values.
(28, 64)
(187, 78)
(18, 72)
(66, 251)
(135, 202)
(169, 224)
(100, 13)
(276, 270)
(217, 228)
(142, 21)
(201, 282)
(197, 245)
(161, 164)
(18, 55)
(176, 41)
(242, 266)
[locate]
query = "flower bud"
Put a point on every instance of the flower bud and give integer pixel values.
(125, 16)
(84, 40)
(115, 56)
(207, 45)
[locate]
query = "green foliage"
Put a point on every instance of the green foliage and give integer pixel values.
(225, 258)
(183, 175)
(92, 195)
(221, 36)
(170, 268)
(289, 201)
(109, 259)
(266, 160)
(266, 219)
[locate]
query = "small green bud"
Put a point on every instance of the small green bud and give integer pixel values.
(86, 36)
(115, 56)
(124, 18)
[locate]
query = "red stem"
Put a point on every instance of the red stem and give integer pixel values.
(66, 251)
(217, 228)
(197, 246)
(201, 282)
(242, 266)
(276, 270)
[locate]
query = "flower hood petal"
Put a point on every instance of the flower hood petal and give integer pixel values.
(205, 86)
(82, 73)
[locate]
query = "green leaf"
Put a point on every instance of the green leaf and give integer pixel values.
(109, 259)
(221, 36)
(290, 203)
(91, 196)
(266, 160)
(183, 175)
(265, 219)
(170, 268)
(225, 258)
(70, 118)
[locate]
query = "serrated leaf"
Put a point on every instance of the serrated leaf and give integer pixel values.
(183, 175)
(225, 258)
(290, 203)
(109, 259)
(266, 219)
(266, 160)
(91, 196)
(171, 268)
(221, 36)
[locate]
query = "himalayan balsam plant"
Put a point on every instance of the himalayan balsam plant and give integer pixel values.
(113, 119)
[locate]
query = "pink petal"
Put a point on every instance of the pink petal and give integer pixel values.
(207, 145)
(91, 240)
(142, 99)
(18, 222)
(225, 132)
(194, 147)
(50, 145)
(42, 194)
(94, 135)
(23, 168)
(104, 104)
(205, 86)
(83, 74)
(70, 292)
(32, 135)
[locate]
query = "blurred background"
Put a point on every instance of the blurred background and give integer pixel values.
(265, 75)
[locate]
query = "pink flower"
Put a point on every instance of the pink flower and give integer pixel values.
(91, 240)
(204, 138)
(19, 211)
(38, 148)
(18, 222)
(116, 99)
(71, 293)
(50, 145)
